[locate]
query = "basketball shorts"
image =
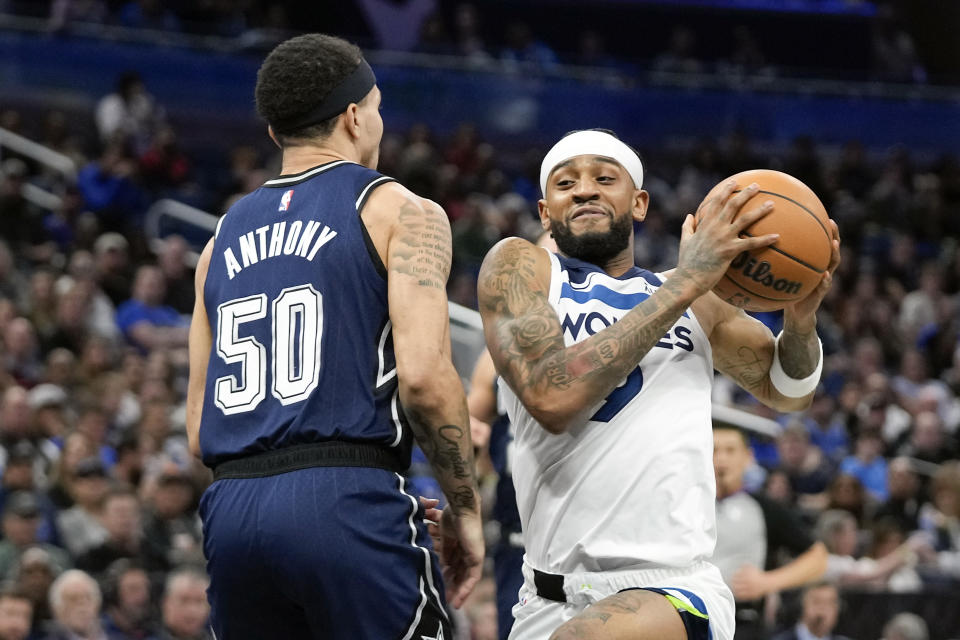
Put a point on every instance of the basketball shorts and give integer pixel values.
(325, 552)
(702, 600)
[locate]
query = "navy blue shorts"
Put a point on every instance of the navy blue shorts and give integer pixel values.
(325, 552)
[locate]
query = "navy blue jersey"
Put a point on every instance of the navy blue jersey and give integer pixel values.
(297, 300)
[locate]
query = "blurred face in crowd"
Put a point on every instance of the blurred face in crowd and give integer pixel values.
(149, 287)
(821, 605)
(793, 447)
(927, 434)
(88, 490)
(133, 595)
(731, 458)
(78, 605)
(121, 518)
(590, 206)
(15, 413)
(901, 480)
(185, 607)
(19, 339)
(844, 539)
(20, 530)
(846, 492)
(172, 499)
(18, 474)
(15, 618)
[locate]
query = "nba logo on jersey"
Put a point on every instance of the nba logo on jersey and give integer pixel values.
(285, 200)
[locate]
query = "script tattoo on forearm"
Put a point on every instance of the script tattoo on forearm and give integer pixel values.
(799, 353)
(445, 448)
(529, 337)
(747, 368)
(422, 246)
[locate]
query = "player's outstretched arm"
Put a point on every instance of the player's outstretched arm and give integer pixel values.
(744, 349)
(561, 386)
(201, 340)
(418, 263)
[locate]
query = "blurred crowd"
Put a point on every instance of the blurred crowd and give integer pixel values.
(98, 493)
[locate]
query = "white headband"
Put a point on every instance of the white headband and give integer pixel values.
(594, 143)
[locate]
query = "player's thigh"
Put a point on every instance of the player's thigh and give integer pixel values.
(628, 615)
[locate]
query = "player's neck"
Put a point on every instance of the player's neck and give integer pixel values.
(297, 159)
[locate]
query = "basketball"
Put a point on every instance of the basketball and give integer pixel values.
(768, 278)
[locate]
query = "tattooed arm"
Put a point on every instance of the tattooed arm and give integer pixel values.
(561, 385)
(412, 237)
(743, 348)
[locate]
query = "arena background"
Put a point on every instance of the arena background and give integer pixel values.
(859, 99)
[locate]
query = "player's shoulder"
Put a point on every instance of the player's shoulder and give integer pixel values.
(518, 260)
(393, 200)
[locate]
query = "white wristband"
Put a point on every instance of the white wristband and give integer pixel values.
(791, 387)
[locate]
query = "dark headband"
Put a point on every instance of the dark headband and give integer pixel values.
(352, 89)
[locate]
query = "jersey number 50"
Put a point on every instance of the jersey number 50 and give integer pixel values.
(297, 320)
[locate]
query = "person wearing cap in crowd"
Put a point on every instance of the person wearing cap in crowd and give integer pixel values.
(120, 517)
(111, 253)
(21, 521)
(321, 318)
(608, 370)
(35, 573)
(80, 526)
(16, 613)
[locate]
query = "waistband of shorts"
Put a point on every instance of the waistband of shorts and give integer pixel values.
(320, 454)
(569, 587)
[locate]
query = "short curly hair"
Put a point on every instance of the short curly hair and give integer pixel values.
(297, 76)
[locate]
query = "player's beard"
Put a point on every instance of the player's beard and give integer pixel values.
(595, 247)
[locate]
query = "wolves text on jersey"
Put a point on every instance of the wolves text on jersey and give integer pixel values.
(678, 336)
(278, 239)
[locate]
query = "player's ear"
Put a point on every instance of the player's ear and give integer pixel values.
(273, 136)
(641, 201)
(352, 115)
(544, 214)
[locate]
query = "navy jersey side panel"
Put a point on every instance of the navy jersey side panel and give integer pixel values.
(297, 302)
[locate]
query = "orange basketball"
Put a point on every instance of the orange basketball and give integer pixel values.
(767, 279)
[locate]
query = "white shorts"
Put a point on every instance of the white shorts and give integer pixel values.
(535, 618)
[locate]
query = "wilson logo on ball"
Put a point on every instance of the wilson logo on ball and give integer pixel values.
(760, 273)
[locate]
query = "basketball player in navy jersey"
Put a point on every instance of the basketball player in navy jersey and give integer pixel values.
(319, 349)
(608, 372)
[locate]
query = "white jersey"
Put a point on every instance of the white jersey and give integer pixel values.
(633, 487)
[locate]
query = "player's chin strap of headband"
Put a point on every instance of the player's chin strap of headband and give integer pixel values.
(592, 143)
(352, 89)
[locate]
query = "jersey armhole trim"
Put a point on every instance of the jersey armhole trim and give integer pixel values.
(367, 240)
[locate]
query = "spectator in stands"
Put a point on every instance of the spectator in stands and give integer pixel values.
(178, 277)
(680, 56)
(905, 626)
(129, 114)
(895, 57)
(16, 613)
(171, 527)
(16, 416)
(884, 567)
(751, 531)
(805, 465)
(128, 611)
(108, 188)
(940, 518)
(21, 352)
(145, 321)
(164, 166)
(75, 599)
(867, 463)
(185, 609)
(11, 281)
(121, 519)
(22, 226)
(821, 608)
(903, 503)
(846, 492)
(34, 575)
(525, 53)
(21, 520)
(928, 441)
(80, 526)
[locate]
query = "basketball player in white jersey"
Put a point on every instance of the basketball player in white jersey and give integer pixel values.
(609, 371)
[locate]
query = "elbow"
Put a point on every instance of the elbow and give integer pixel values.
(552, 416)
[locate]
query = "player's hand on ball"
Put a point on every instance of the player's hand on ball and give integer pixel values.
(712, 240)
(802, 313)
